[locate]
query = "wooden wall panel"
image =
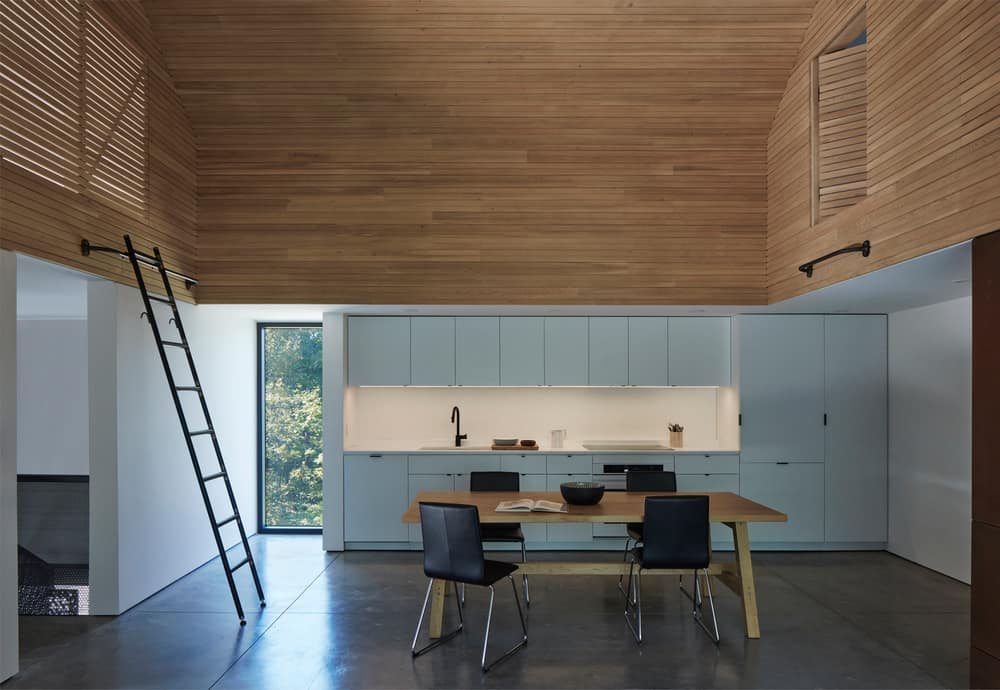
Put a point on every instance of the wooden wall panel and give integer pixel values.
(497, 151)
(49, 221)
(933, 141)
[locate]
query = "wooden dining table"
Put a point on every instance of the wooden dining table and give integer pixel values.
(734, 511)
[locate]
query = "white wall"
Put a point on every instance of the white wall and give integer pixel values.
(334, 377)
(8, 465)
(52, 418)
(423, 414)
(930, 436)
(151, 520)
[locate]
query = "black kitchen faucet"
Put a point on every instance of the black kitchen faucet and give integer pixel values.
(456, 418)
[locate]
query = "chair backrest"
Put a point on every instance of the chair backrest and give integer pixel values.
(453, 549)
(494, 481)
(676, 533)
(650, 481)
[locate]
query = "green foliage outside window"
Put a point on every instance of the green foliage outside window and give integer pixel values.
(293, 426)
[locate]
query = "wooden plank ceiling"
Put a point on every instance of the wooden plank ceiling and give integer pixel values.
(481, 151)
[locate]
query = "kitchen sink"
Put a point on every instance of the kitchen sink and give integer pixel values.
(625, 445)
(454, 447)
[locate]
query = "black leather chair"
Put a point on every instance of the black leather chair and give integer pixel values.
(453, 551)
(643, 481)
(677, 536)
(509, 532)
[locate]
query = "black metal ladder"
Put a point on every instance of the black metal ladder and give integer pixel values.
(138, 259)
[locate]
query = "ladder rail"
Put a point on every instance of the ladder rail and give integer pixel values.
(137, 259)
(196, 382)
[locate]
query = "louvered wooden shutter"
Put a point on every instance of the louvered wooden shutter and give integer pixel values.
(114, 117)
(843, 125)
(40, 90)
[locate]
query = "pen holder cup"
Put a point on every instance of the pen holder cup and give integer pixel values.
(676, 439)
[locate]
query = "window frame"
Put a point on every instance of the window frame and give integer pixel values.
(262, 528)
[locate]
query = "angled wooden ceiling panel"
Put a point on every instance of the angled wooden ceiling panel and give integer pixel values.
(481, 151)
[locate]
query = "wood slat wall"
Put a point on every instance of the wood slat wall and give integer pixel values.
(497, 151)
(933, 141)
(154, 202)
(842, 129)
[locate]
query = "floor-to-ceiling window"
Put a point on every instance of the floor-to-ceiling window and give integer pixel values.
(291, 426)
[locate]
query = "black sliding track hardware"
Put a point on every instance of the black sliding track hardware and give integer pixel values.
(865, 248)
(144, 259)
(180, 341)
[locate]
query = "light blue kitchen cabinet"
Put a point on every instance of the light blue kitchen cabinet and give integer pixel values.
(707, 482)
(569, 463)
(378, 351)
(453, 463)
(568, 531)
(647, 351)
(608, 350)
(567, 362)
(781, 388)
(375, 498)
(477, 350)
(522, 351)
(856, 444)
(523, 463)
(432, 351)
(795, 489)
(426, 482)
(699, 351)
(707, 464)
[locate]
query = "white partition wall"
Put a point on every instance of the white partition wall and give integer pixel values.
(930, 436)
(334, 381)
(148, 521)
(8, 465)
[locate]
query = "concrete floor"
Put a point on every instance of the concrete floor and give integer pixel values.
(846, 620)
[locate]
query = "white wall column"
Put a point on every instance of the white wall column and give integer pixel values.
(8, 465)
(102, 385)
(334, 378)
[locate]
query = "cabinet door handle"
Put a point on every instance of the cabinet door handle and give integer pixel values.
(781, 463)
(375, 456)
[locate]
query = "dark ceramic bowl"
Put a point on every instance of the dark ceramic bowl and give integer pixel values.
(528, 443)
(582, 493)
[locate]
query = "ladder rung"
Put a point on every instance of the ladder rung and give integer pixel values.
(173, 343)
(210, 477)
(225, 522)
(188, 388)
(239, 565)
(203, 432)
(157, 298)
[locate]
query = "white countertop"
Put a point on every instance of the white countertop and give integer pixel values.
(418, 447)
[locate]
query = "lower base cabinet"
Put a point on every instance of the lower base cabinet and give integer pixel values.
(796, 489)
(376, 498)
(569, 531)
(721, 534)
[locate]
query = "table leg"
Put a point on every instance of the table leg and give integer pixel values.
(748, 591)
(438, 591)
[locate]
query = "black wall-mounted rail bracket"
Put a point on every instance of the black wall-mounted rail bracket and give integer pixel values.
(145, 259)
(865, 248)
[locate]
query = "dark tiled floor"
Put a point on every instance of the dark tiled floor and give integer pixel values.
(852, 620)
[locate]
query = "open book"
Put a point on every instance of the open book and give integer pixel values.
(526, 505)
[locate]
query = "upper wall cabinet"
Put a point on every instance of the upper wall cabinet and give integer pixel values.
(432, 351)
(477, 350)
(608, 350)
(522, 351)
(781, 388)
(566, 357)
(699, 351)
(378, 351)
(647, 351)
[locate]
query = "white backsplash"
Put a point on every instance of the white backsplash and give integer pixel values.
(422, 415)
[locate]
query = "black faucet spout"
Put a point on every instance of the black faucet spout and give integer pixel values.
(456, 419)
